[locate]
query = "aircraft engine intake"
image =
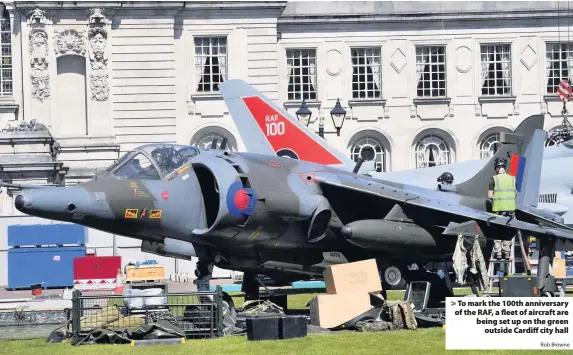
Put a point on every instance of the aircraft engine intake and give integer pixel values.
(227, 194)
(320, 220)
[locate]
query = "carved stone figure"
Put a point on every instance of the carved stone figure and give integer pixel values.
(39, 49)
(98, 39)
(99, 85)
(69, 42)
(97, 16)
(98, 60)
(39, 74)
(40, 86)
(37, 16)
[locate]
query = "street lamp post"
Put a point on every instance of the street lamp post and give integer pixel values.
(303, 114)
(338, 115)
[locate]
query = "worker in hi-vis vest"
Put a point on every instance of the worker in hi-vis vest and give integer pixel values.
(502, 193)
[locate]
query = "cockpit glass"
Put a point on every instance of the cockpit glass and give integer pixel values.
(138, 167)
(166, 157)
(171, 157)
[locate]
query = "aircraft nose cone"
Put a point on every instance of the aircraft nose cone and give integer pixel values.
(346, 231)
(19, 202)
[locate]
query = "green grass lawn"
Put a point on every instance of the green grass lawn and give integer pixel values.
(421, 341)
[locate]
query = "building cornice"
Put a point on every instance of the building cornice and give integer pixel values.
(150, 5)
(425, 17)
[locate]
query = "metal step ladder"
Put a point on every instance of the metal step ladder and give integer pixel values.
(506, 266)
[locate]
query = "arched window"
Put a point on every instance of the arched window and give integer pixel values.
(205, 136)
(557, 135)
(432, 151)
(489, 145)
(6, 54)
(371, 150)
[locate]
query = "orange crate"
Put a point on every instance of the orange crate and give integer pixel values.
(145, 272)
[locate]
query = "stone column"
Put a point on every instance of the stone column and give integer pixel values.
(100, 120)
(39, 59)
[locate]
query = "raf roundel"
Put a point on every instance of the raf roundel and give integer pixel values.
(240, 200)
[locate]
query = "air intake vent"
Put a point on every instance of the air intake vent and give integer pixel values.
(548, 198)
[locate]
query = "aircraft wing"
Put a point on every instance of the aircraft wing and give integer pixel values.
(339, 189)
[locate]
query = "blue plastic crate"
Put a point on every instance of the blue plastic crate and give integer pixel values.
(51, 267)
(46, 234)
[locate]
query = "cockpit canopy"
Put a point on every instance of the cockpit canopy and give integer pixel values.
(153, 161)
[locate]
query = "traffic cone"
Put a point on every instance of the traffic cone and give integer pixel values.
(118, 284)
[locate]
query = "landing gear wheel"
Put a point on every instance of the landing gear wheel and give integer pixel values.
(228, 299)
(546, 294)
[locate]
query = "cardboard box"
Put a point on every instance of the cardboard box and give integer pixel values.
(329, 311)
(352, 278)
(559, 270)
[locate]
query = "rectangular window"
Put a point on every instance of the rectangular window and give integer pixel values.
(210, 63)
(366, 73)
(6, 57)
(431, 71)
(559, 59)
(301, 71)
(496, 69)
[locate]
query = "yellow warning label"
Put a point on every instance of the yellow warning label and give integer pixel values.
(131, 213)
(155, 214)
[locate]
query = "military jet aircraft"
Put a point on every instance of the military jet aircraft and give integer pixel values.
(266, 128)
(242, 211)
(283, 135)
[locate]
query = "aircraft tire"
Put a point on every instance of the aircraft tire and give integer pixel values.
(228, 299)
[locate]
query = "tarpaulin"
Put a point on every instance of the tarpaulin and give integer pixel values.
(159, 330)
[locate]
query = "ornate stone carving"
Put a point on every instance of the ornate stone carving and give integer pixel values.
(98, 61)
(97, 16)
(98, 41)
(69, 42)
(39, 64)
(99, 85)
(37, 16)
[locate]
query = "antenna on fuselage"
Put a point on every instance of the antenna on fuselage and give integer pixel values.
(223, 144)
(214, 143)
(358, 165)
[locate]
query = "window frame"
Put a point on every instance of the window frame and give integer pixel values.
(512, 84)
(383, 152)
(547, 61)
(380, 50)
(309, 48)
(484, 139)
(418, 142)
(196, 80)
(446, 64)
(5, 17)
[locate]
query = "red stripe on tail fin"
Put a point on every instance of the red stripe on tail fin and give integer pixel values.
(283, 134)
(513, 165)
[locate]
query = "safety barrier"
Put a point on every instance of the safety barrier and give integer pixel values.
(198, 314)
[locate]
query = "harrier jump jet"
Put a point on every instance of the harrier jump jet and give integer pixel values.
(246, 212)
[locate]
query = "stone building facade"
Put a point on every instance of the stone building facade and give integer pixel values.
(423, 83)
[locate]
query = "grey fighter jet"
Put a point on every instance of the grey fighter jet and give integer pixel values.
(242, 211)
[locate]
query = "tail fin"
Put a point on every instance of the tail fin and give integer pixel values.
(265, 128)
(524, 150)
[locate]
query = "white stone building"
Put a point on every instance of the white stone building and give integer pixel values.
(423, 83)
